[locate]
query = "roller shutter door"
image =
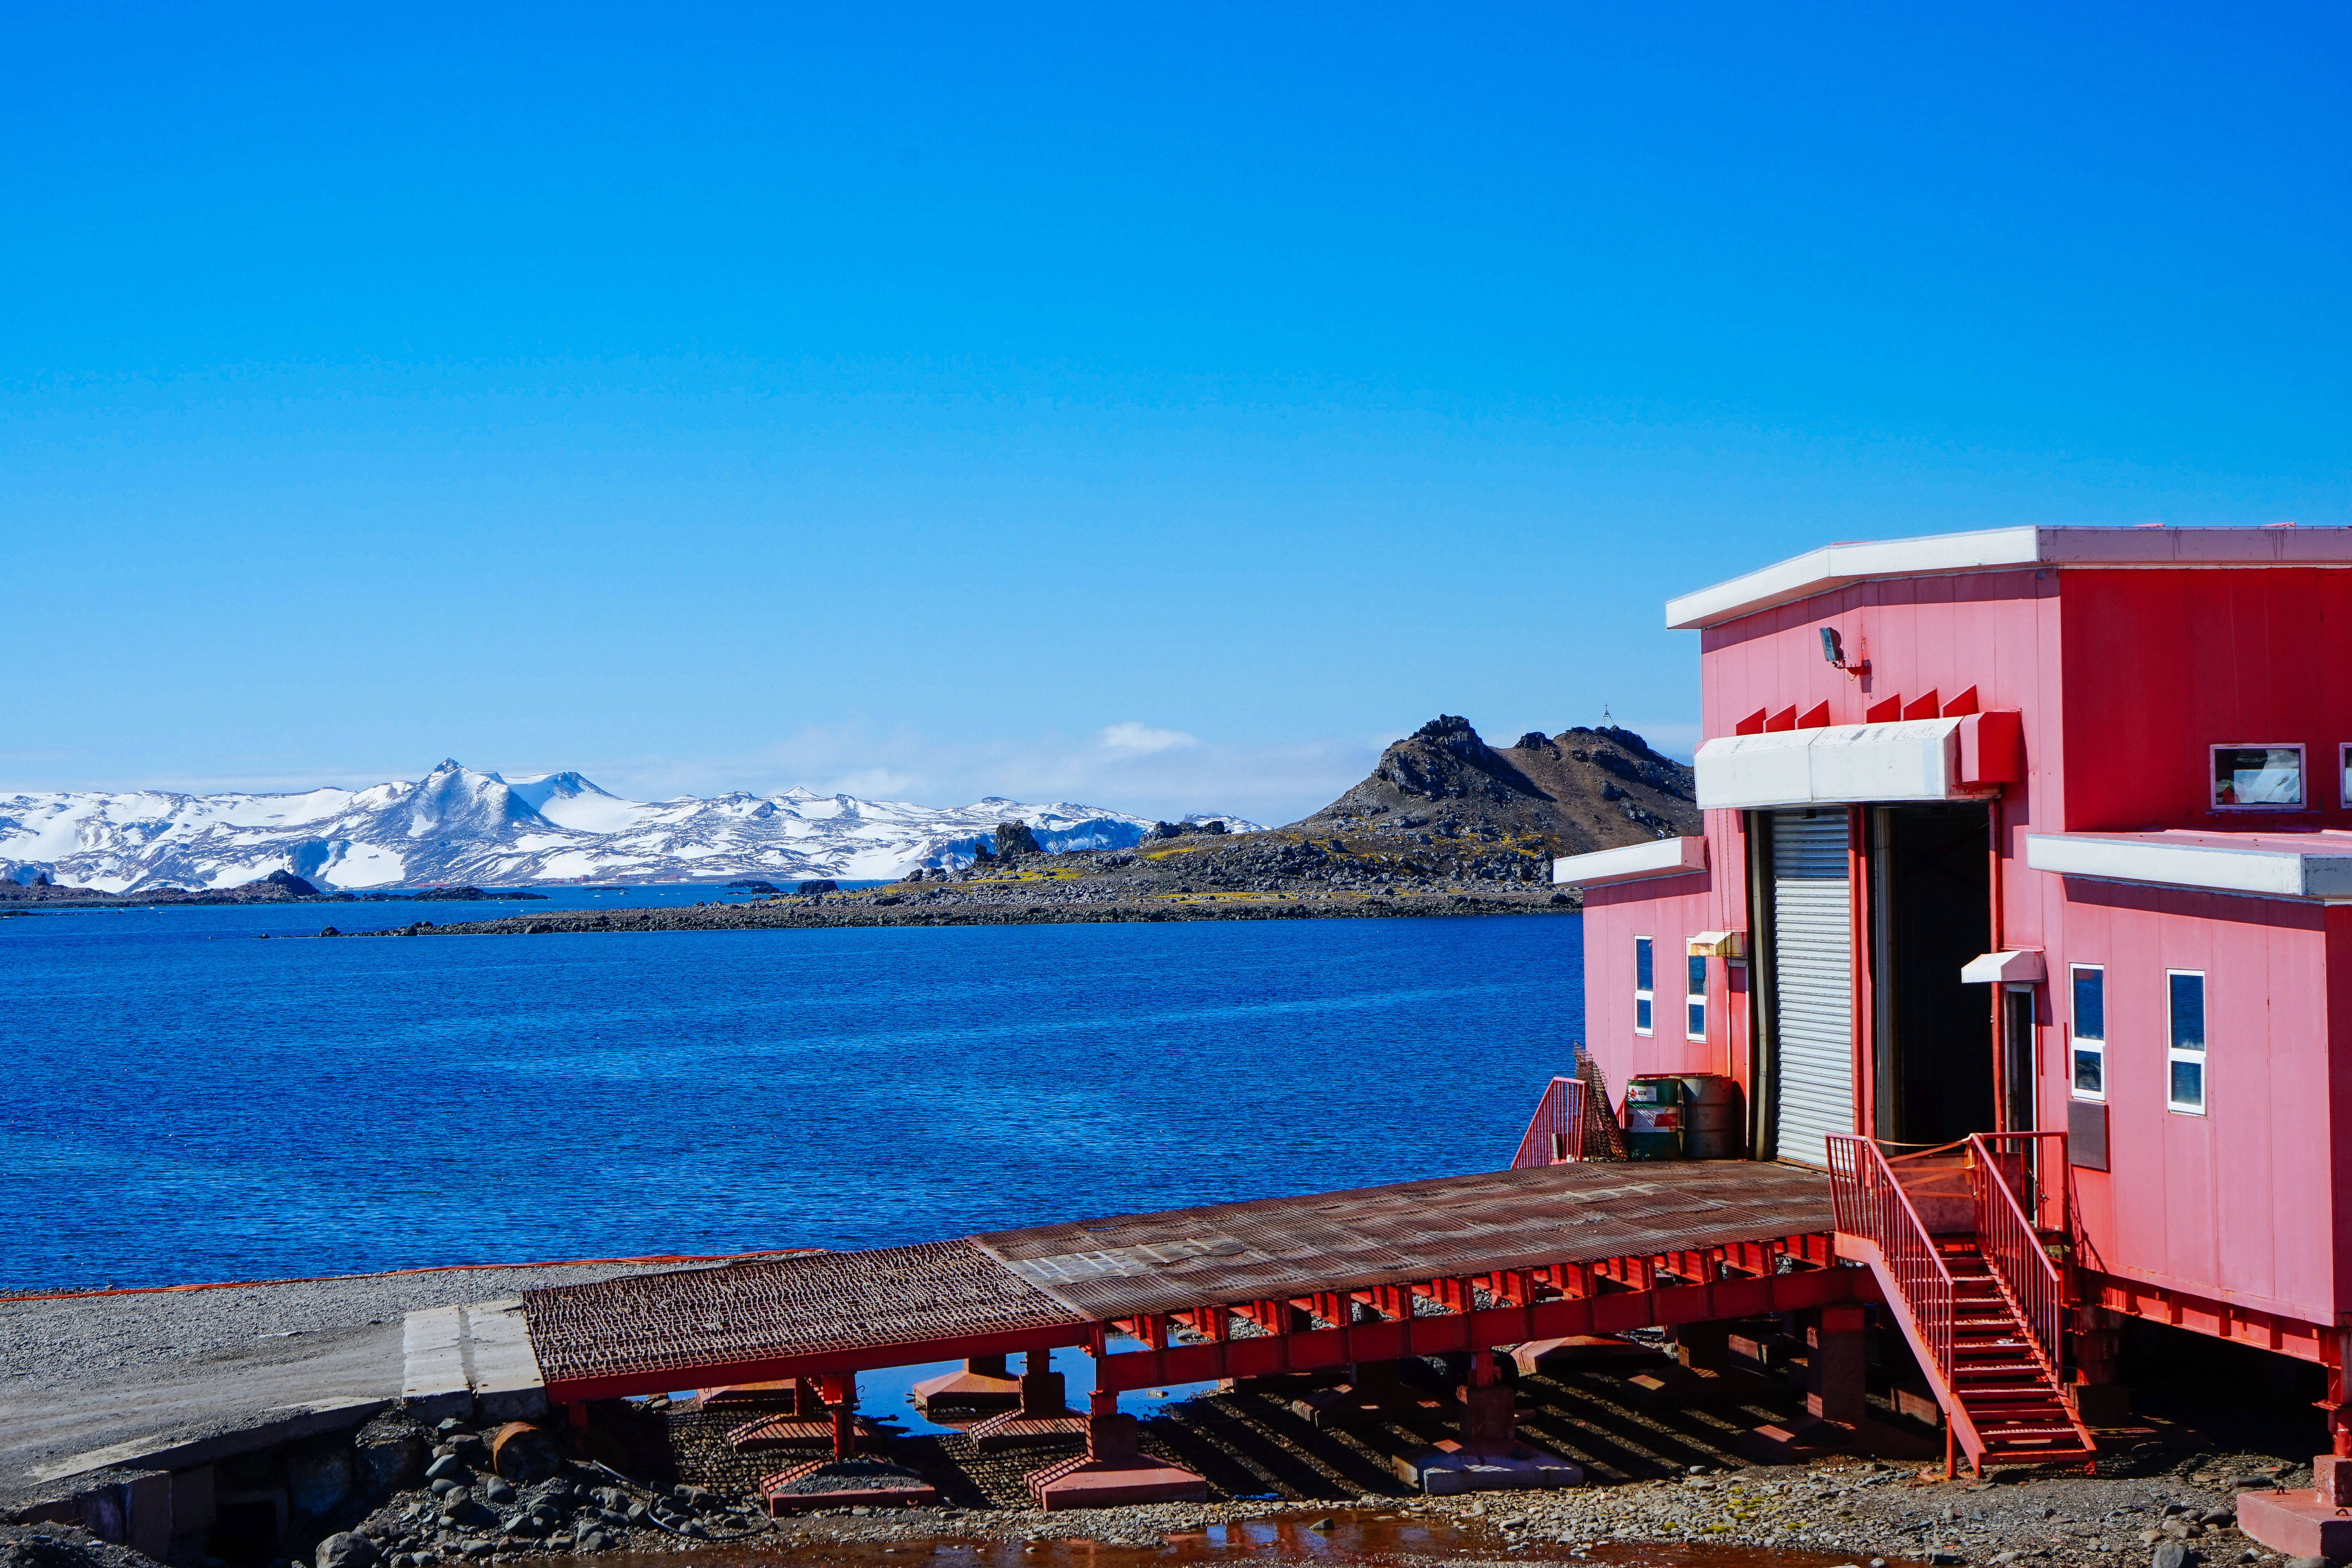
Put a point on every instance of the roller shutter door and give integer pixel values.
(1813, 974)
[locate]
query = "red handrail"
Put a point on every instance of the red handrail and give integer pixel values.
(1871, 1204)
(2003, 1167)
(1556, 1132)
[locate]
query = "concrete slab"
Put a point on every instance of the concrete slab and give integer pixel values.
(1114, 1483)
(433, 1380)
(164, 1452)
(500, 1363)
(2296, 1524)
(179, 1377)
(1448, 1469)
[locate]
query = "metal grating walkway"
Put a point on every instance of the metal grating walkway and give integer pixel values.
(1051, 1284)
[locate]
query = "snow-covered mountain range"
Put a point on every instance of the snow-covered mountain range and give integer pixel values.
(458, 825)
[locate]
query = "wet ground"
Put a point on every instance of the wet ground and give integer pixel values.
(1345, 1536)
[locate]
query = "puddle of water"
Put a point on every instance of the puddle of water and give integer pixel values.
(889, 1394)
(1369, 1536)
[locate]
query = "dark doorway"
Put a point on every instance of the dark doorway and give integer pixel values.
(1931, 912)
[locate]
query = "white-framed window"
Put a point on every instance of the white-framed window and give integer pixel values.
(1644, 991)
(2184, 1042)
(2087, 1026)
(2253, 776)
(1696, 1027)
(2343, 756)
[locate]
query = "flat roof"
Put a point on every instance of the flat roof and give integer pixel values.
(2308, 865)
(1987, 549)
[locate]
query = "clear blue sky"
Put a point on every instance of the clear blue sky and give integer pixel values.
(1161, 407)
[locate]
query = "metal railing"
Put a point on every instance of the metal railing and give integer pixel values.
(1556, 1132)
(1871, 1204)
(2012, 1205)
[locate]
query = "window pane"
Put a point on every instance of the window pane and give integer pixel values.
(2188, 1084)
(1698, 1018)
(2090, 1004)
(2187, 1012)
(2258, 775)
(1641, 1014)
(1697, 977)
(2090, 1072)
(1641, 963)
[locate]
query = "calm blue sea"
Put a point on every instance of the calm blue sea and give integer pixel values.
(180, 1100)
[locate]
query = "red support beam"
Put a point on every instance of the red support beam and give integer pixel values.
(1463, 1333)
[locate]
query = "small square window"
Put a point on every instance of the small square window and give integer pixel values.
(2249, 777)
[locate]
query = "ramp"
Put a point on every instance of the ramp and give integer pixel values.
(1517, 1241)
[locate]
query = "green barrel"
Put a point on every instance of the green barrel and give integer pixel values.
(1653, 1117)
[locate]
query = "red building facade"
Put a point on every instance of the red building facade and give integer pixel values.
(2029, 830)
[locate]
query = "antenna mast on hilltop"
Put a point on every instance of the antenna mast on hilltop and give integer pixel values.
(1604, 714)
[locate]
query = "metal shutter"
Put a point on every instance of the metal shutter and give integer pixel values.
(1813, 974)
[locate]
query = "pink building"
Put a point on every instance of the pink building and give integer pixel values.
(2029, 830)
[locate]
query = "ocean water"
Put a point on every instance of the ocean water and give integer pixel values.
(184, 1101)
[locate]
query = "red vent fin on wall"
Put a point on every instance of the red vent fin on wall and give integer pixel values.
(1884, 712)
(1925, 708)
(1751, 725)
(1786, 719)
(1962, 705)
(1817, 717)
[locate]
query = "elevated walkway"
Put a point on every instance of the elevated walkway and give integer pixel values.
(1453, 1266)
(1587, 1230)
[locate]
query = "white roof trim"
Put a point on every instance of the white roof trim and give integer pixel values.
(1942, 554)
(2262, 872)
(1632, 863)
(1912, 759)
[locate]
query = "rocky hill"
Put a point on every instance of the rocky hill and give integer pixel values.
(1577, 791)
(1442, 815)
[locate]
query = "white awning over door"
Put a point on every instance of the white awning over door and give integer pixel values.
(1914, 759)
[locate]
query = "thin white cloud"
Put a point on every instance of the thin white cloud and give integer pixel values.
(1143, 739)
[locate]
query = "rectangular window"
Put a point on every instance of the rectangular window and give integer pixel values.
(2343, 756)
(2250, 776)
(2089, 1028)
(1697, 999)
(1642, 988)
(2184, 1050)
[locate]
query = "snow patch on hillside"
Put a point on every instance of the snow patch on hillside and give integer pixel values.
(456, 824)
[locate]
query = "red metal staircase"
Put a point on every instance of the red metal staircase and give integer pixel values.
(1968, 1274)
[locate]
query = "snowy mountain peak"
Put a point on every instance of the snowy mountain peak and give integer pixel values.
(459, 825)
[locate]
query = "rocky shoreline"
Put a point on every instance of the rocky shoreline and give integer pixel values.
(849, 910)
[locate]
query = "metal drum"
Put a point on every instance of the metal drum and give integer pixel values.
(1653, 1117)
(1713, 1119)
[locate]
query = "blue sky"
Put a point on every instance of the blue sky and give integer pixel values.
(1160, 407)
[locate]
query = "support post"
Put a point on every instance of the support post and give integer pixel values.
(840, 1391)
(1042, 1391)
(1839, 1386)
(1489, 1420)
(2098, 1396)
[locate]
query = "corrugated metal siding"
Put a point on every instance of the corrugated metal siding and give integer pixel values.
(1812, 971)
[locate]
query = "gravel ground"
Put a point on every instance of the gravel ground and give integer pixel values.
(64, 1339)
(1859, 1512)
